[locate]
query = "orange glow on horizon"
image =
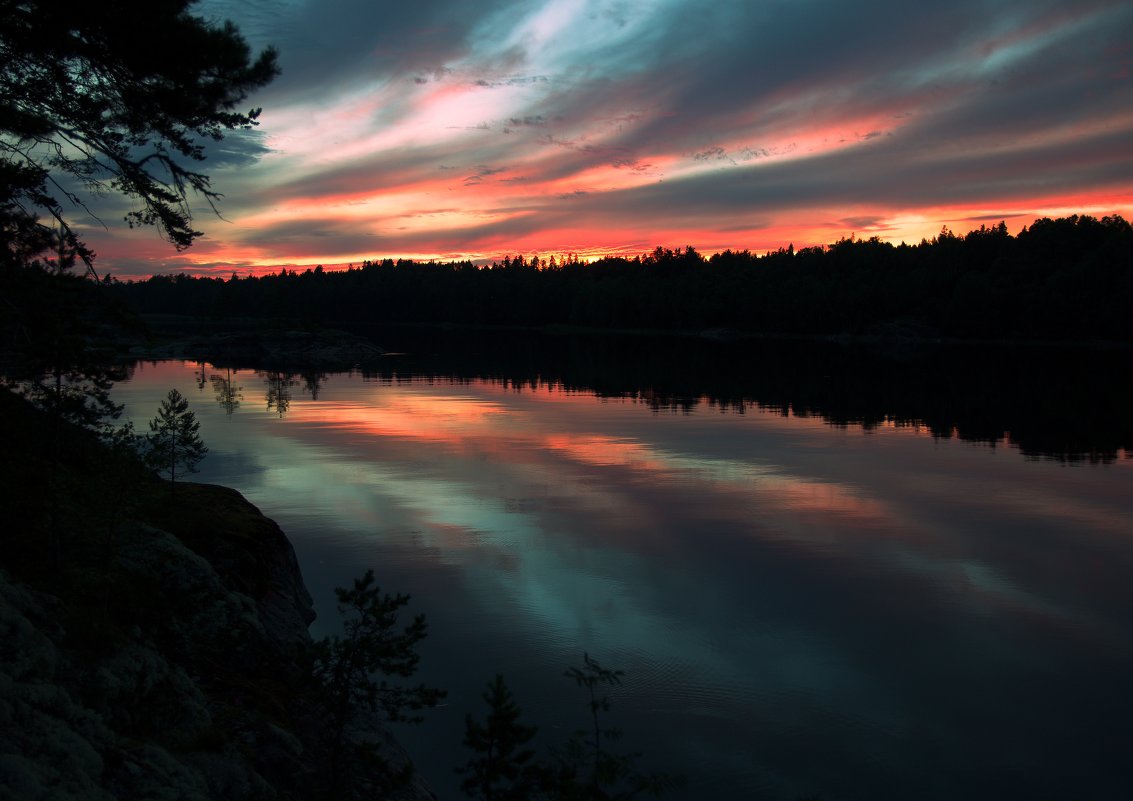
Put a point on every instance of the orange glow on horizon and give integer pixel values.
(219, 258)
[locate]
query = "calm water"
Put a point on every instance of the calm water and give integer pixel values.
(859, 609)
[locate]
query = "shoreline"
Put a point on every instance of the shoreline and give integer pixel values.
(336, 341)
(156, 645)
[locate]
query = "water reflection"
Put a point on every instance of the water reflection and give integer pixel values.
(279, 386)
(858, 611)
(1062, 403)
(228, 394)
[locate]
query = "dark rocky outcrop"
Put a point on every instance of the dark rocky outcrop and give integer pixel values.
(175, 666)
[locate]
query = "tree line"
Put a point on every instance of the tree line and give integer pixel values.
(987, 396)
(1058, 279)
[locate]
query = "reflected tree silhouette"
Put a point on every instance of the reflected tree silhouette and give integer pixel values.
(279, 385)
(313, 383)
(228, 395)
(1030, 398)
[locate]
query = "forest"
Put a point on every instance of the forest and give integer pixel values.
(1066, 279)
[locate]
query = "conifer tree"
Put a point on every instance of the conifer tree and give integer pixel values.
(174, 439)
(586, 769)
(120, 97)
(354, 670)
(499, 771)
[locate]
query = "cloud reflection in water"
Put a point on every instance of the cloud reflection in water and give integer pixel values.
(778, 587)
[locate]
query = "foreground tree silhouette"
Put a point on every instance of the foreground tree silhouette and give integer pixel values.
(228, 394)
(354, 671)
(586, 768)
(500, 769)
(174, 439)
(583, 769)
(98, 97)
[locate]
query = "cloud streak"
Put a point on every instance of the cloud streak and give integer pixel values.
(447, 129)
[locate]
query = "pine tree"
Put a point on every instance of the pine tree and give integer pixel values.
(174, 439)
(586, 769)
(354, 670)
(118, 97)
(500, 769)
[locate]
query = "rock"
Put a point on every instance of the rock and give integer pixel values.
(197, 685)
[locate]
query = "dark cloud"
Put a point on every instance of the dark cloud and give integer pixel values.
(373, 173)
(303, 239)
(236, 149)
(715, 153)
(481, 172)
(328, 44)
(773, 69)
(871, 223)
(530, 121)
(887, 174)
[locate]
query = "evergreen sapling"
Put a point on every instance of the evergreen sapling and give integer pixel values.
(174, 439)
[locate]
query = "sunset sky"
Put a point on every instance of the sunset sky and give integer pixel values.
(448, 129)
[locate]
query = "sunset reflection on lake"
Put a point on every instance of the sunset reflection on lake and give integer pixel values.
(800, 607)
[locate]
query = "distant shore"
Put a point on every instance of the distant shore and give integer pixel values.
(340, 346)
(247, 341)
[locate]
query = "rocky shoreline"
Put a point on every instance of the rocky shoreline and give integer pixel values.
(192, 682)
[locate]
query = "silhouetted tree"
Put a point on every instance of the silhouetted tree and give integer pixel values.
(355, 669)
(278, 394)
(174, 439)
(99, 98)
(47, 322)
(586, 768)
(313, 383)
(228, 395)
(112, 96)
(118, 480)
(75, 392)
(501, 769)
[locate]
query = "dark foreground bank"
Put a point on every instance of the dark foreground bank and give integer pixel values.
(156, 645)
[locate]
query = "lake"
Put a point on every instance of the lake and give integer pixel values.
(898, 574)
